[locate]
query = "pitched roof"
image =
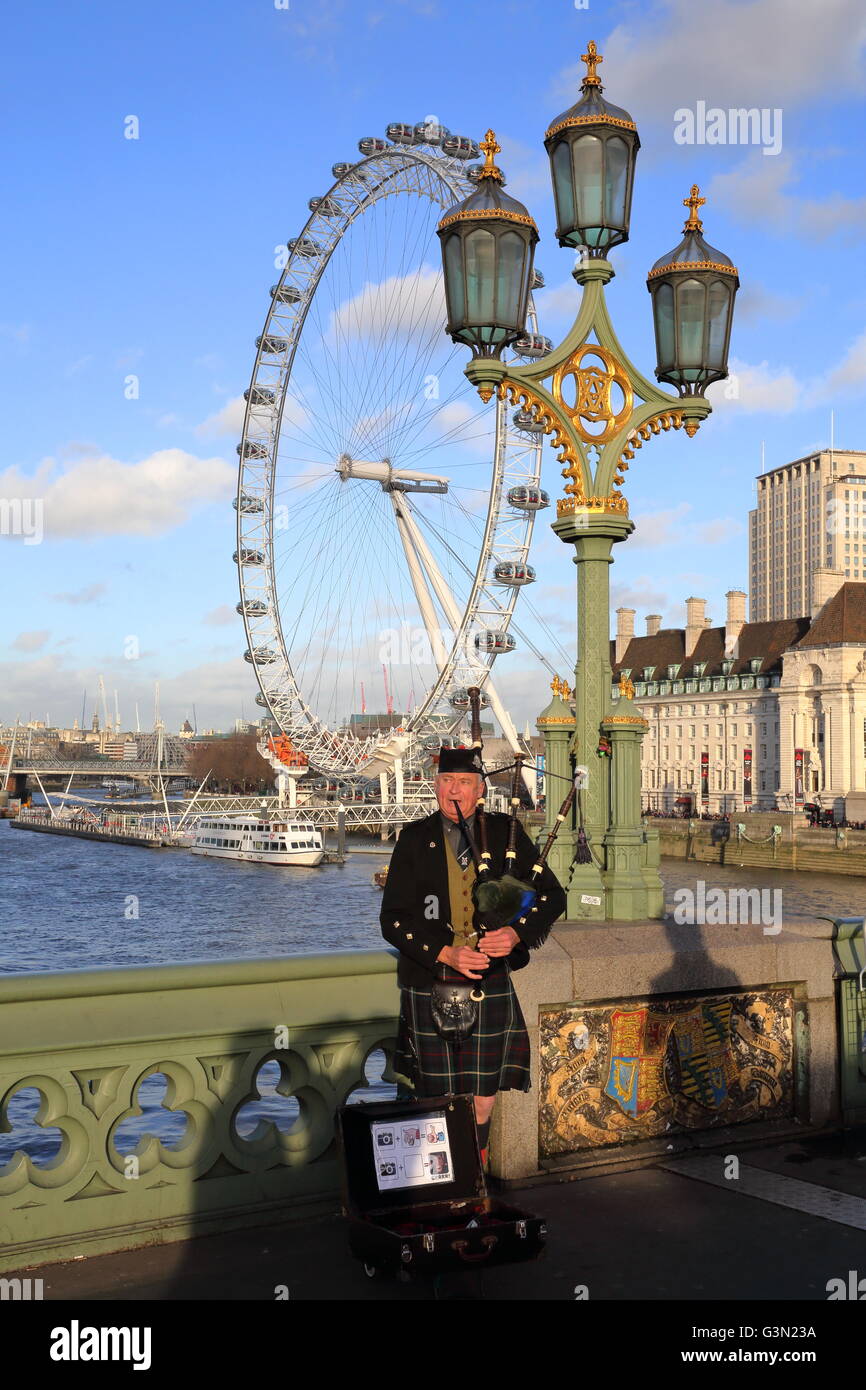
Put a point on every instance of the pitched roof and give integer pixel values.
(764, 641)
(842, 619)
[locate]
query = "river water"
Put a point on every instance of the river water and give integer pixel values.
(73, 904)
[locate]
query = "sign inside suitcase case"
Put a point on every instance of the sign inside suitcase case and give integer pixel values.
(414, 1190)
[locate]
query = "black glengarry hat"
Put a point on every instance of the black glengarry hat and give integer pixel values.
(460, 760)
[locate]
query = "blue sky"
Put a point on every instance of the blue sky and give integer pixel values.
(152, 258)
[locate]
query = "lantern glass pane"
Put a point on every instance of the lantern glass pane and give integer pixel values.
(663, 312)
(454, 284)
(563, 187)
(480, 252)
(588, 161)
(510, 278)
(718, 301)
(615, 181)
(691, 302)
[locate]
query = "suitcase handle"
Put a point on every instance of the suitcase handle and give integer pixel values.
(461, 1246)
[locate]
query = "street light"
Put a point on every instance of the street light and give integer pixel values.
(488, 242)
(693, 289)
(592, 149)
(599, 409)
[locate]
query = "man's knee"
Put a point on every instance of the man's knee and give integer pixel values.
(484, 1108)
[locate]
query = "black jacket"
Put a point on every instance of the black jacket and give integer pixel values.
(415, 907)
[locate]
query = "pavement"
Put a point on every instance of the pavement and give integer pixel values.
(686, 1227)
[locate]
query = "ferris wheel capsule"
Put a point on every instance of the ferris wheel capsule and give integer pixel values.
(537, 279)
(248, 505)
(260, 395)
(473, 173)
(460, 147)
(401, 134)
(430, 133)
(493, 641)
(459, 699)
(271, 344)
(304, 246)
(252, 608)
(286, 294)
(528, 499)
(532, 345)
(248, 555)
(326, 206)
(513, 573)
(261, 701)
(252, 449)
(371, 144)
(526, 421)
(260, 656)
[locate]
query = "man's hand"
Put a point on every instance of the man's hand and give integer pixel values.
(499, 943)
(464, 960)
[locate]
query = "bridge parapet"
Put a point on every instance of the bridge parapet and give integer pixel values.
(86, 1040)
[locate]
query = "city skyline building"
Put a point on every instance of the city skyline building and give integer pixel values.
(810, 522)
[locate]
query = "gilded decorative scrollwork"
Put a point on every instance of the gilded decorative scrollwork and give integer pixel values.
(526, 399)
(665, 420)
(593, 386)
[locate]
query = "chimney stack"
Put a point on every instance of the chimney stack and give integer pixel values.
(695, 622)
(653, 623)
(735, 620)
(624, 630)
(825, 584)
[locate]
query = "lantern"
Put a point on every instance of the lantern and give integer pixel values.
(592, 149)
(693, 289)
(488, 244)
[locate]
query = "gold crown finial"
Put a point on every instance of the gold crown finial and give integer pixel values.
(490, 148)
(693, 202)
(626, 689)
(592, 58)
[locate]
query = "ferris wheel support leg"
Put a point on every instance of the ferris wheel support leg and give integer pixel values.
(452, 612)
(408, 533)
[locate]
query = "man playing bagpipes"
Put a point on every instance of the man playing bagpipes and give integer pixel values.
(466, 899)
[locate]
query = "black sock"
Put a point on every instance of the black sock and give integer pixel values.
(483, 1134)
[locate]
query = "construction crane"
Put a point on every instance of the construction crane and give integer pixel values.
(389, 703)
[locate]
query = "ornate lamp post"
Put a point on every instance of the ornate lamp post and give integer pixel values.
(598, 410)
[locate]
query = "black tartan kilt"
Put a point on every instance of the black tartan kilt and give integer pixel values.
(495, 1057)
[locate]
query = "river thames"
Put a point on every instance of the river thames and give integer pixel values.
(70, 904)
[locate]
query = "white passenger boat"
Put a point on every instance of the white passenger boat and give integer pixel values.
(276, 841)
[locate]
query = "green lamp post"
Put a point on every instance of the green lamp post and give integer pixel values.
(598, 409)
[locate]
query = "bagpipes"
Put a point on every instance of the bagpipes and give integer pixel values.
(507, 900)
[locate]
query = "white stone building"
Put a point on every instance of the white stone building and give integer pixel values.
(753, 715)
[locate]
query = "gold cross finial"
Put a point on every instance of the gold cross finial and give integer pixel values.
(555, 685)
(626, 688)
(490, 148)
(592, 58)
(693, 202)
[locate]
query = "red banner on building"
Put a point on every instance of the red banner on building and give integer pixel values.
(798, 777)
(705, 776)
(747, 776)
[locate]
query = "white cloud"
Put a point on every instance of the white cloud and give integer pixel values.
(30, 641)
(228, 420)
(401, 306)
(759, 192)
(757, 388)
(659, 528)
(762, 53)
(642, 595)
(851, 371)
(88, 594)
(222, 616)
(100, 495)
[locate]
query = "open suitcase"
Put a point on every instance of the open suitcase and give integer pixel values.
(414, 1191)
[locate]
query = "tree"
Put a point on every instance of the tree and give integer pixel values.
(234, 763)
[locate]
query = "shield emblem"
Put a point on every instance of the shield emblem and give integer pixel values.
(703, 1039)
(638, 1041)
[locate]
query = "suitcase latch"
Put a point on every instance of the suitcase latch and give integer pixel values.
(520, 1227)
(429, 1242)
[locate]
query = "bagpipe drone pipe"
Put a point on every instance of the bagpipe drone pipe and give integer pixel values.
(506, 900)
